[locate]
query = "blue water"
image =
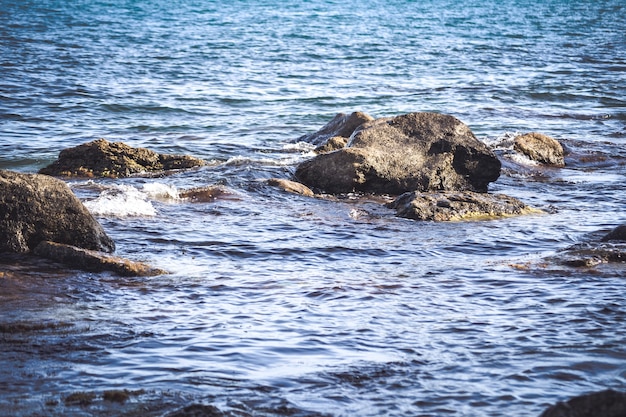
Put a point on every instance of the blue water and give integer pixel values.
(284, 305)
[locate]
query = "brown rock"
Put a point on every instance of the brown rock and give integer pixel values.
(455, 206)
(34, 208)
(334, 143)
(203, 194)
(93, 261)
(540, 148)
(342, 125)
(416, 151)
(291, 186)
(101, 158)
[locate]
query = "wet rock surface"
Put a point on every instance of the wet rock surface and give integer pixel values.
(93, 261)
(455, 206)
(341, 126)
(36, 208)
(540, 148)
(606, 403)
(609, 248)
(291, 186)
(412, 152)
(101, 158)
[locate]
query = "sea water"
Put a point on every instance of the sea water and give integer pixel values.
(278, 304)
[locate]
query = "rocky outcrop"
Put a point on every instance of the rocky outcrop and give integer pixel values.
(606, 403)
(413, 152)
(36, 208)
(540, 148)
(94, 261)
(455, 206)
(341, 126)
(101, 158)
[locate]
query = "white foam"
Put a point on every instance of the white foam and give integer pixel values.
(161, 191)
(121, 201)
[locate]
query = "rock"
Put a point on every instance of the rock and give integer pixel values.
(341, 125)
(101, 158)
(198, 410)
(617, 234)
(606, 403)
(203, 194)
(590, 254)
(454, 206)
(291, 186)
(412, 152)
(540, 148)
(334, 143)
(36, 208)
(94, 261)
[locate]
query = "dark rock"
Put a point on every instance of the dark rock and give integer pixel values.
(101, 158)
(412, 152)
(94, 261)
(204, 194)
(342, 125)
(198, 410)
(617, 234)
(35, 208)
(606, 403)
(291, 186)
(455, 206)
(540, 148)
(589, 254)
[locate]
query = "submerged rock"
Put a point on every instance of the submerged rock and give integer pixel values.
(291, 186)
(611, 248)
(455, 206)
(540, 148)
(342, 126)
(606, 403)
(36, 208)
(101, 158)
(204, 194)
(94, 261)
(412, 152)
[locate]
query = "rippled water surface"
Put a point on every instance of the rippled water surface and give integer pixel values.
(279, 304)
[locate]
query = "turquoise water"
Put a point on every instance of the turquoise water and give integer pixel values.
(285, 305)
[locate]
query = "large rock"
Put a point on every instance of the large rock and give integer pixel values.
(540, 148)
(101, 158)
(455, 206)
(36, 208)
(606, 403)
(412, 152)
(341, 126)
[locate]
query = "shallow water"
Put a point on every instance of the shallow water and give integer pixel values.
(284, 305)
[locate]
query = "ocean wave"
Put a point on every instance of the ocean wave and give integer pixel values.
(124, 201)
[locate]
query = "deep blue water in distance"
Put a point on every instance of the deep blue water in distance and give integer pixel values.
(284, 305)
